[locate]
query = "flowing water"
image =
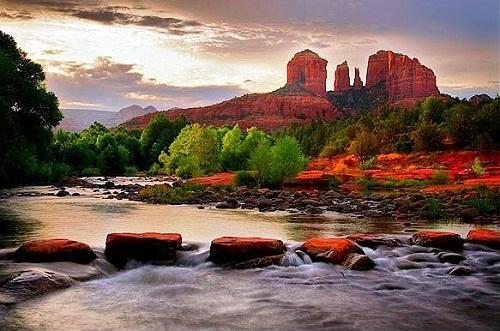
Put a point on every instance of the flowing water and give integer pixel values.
(196, 295)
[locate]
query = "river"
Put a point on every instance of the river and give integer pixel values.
(196, 295)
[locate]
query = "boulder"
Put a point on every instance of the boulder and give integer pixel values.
(438, 239)
(450, 257)
(358, 262)
(52, 250)
(333, 250)
(373, 240)
(62, 193)
(233, 250)
(469, 214)
(157, 248)
(485, 237)
(342, 80)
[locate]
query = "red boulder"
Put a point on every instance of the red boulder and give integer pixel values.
(232, 250)
(438, 239)
(333, 250)
(52, 250)
(158, 248)
(485, 237)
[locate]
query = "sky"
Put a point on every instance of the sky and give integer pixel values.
(111, 54)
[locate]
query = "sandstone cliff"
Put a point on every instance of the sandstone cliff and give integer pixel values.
(342, 80)
(308, 70)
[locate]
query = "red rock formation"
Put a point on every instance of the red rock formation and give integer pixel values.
(333, 250)
(266, 111)
(358, 83)
(404, 78)
(144, 247)
(438, 239)
(230, 250)
(308, 70)
(342, 80)
(52, 250)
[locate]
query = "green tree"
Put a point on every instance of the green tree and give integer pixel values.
(365, 146)
(231, 155)
(28, 112)
(428, 137)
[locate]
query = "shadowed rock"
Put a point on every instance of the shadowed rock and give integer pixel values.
(438, 239)
(157, 248)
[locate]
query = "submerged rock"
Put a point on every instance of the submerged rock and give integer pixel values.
(450, 257)
(359, 262)
(333, 250)
(460, 271)
(485, 237)
(52, 250)
(438, 239)
(29, 283)
(233, 250)
(261, 262)
(157, 248)
(372, 240)
(62, 193)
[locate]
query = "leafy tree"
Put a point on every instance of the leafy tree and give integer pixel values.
(365, 146)
(428, 137)
(231, 155)
(28, 112)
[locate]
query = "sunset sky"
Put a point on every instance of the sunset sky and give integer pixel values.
(108, 55)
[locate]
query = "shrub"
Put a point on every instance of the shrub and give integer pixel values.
(439, 177)
(278, 163)
(477, 167)
(188, 167)
(487, 201)
(334, 182)
(365, 146)
(245, 178)
(428, 137)
(433, 209)
(91, 172)
(154, 169)
(165, 194)
(130, 171)
(368, 164)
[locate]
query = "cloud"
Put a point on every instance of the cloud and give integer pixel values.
(116, 85)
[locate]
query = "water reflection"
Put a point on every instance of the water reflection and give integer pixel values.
(15, 229)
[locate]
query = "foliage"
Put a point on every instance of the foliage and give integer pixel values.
(246, 178)
(91, 172)
(486, 201)
(28, 112)
(276, 164)
(165, 194)
(365, 146)
(439, 177)
(428, 137)
(368, 164)
(433, 209)
(477, 167)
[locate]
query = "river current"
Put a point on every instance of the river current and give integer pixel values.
(196, 295)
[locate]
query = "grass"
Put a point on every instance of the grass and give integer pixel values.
(433, 209)
(439, 177)
(368, 164)
(391, 183)
(246, 178)
(486, 201)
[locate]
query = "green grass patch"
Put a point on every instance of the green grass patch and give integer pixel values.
(165, 194)
(433, 209)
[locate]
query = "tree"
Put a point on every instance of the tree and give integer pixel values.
(231, 155)
(428, 137)
(365, 146)
(28, 112)
(459, 124)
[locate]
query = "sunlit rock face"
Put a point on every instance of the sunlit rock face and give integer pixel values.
(308, 70)
(404, 78)
(342, 79)
(358, 83)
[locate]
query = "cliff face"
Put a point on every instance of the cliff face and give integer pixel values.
(342, 80)
(404, 78)
(266, 111)
(308, 70)
(358, 83)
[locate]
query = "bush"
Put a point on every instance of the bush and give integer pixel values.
(368, 164)
(91, 172)
(334, 182)
(439, 177)
(165, 194)
(428, 137)
(246, 178)
(365, 146)
(154, 169)
(188, 167)
(130, 171)
(487, 201)
(477, 167)
(278, 163)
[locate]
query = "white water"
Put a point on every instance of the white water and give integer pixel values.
(196, 295)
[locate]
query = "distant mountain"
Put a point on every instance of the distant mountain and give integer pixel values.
(77, 120)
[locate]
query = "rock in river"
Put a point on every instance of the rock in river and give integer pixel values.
(53, 250)
(485, 237)
(333, 250)
(438, 239)
(157, 248)
(233, 250)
